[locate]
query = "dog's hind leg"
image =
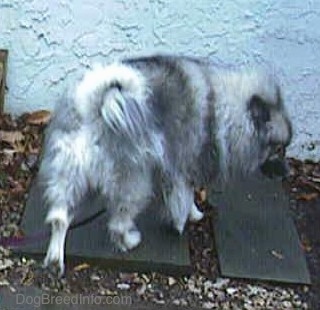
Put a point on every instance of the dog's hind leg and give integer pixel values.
(60, 221)
(131, 198)
(62, 197)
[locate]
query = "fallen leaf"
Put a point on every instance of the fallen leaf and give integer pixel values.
(19, 233)
(141, 289)
(41, 117)
(303, 181)
(3, 192)
(7, 152)
(17, 189)
(315, 179)
(127, 277)
(27, 279)
(305, 244)
(277, 254)
(5, 264)
(4, 282)
(307, 196)
(11, 137)
(81, 267)
(201, 195)
(171, 281)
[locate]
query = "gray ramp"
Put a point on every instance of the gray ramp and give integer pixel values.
(162, 248)
(255, 235)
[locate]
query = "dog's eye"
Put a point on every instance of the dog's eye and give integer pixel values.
(279, 150)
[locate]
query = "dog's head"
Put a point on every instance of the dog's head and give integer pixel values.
(273, 134)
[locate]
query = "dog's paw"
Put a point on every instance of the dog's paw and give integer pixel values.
(131, 239)
(195, 214)
(126, 241)
(53, 260)
(179, 226)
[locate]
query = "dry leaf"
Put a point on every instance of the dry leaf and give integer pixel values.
(315, 179)
(11, 137)
(3, 192)
(305, 244)
(17, 188)
(171, 281)
(41, 117)
(81, 267)
(277, 254)
(307, 196)
(201, 195)
(303, 181)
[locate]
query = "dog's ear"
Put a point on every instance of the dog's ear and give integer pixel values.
(260, 111)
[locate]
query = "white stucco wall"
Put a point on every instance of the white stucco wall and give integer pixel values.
(51, 43)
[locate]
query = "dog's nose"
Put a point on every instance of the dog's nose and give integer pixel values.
(275, 168)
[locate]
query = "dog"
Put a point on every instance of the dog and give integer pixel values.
(156, 124)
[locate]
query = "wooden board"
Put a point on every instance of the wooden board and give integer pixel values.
(162, 248)
(3, 75)
(255, 235)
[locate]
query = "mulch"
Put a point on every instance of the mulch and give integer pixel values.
(20, 147)
(304, 188)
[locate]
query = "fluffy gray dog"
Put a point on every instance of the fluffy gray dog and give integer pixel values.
(156, 124)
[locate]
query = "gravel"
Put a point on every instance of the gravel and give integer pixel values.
(195, 290)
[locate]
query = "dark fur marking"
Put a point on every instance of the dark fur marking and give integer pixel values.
(260, 111)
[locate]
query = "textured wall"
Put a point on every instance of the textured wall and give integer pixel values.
(49, 41)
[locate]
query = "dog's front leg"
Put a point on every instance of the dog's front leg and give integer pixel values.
(124, 232)
(181, 204)
(195, 215)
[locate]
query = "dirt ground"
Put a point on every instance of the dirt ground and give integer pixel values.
(304, 189)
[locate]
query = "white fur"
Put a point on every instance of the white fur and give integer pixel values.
(124, 233)
(131, 239)
(60, 221)
(195, 214)
(96, 81)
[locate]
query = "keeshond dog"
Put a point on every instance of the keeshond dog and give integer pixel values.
(160, 124)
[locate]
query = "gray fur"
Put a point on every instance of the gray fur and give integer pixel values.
(194, 122)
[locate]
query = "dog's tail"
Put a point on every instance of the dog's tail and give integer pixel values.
(118, 94)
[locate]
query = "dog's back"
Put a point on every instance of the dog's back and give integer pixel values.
(182, 99)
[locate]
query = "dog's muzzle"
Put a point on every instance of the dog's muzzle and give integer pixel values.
(276, 166)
